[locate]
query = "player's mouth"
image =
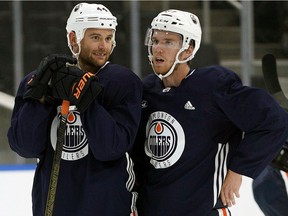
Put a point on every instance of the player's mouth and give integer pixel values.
(158, 61)
(100, 55)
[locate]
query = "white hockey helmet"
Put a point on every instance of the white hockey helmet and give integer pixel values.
(85, 16)
(181, 22)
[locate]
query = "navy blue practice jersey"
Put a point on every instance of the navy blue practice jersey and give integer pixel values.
(194, 132)
(96, 172)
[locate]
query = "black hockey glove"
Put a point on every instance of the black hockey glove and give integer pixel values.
(72, 84)
(281, 160)
(37, 86)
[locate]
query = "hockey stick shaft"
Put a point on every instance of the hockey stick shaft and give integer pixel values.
(57, 159)
(269, 69)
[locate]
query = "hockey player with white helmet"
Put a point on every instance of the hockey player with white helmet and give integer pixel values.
(201, 128)
(96, 174)
(83, 16)
(186, 24)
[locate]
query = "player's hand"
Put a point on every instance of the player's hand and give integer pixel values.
(37, 87)
(230, 188)
(72, 84)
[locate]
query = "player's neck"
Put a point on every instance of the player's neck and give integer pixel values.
(89, 68)
(179, 73)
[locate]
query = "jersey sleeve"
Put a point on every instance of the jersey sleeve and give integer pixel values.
(111, 122)
(259, 116)
(29, 131)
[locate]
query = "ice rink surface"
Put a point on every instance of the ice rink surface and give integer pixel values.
(16, 184)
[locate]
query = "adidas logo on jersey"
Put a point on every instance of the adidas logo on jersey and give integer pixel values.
(166, 89)
(144, 104)
(189, 106)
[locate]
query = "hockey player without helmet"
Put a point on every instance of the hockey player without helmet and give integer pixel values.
(181, 22)
(85, 16)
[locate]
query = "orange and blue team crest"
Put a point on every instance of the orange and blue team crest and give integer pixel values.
(165, 140)
(75, 142)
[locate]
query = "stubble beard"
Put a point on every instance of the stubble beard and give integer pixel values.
(90, 64)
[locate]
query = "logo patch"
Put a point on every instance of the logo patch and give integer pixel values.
(75, 142)
(144, 104)
(165, 140)
(189, 106)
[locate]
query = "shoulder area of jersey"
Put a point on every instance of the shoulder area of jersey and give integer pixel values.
(116, 69)
(118, 72)
(213, 71)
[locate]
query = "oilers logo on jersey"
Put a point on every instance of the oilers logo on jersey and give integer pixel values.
(165, 140)
(75, 143)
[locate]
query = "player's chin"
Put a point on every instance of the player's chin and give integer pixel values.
(160, 70)
(100, 61)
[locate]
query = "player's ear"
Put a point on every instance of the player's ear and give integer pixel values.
(188, 52)
(73, 41)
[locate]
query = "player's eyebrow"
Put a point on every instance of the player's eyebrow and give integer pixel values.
(100, 35)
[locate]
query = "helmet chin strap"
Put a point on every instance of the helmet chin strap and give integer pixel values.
(75, 55)
(173, 66)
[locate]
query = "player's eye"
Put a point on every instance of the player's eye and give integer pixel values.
(154, 41)
(96, 37)
(169, 43)
(108, 39)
